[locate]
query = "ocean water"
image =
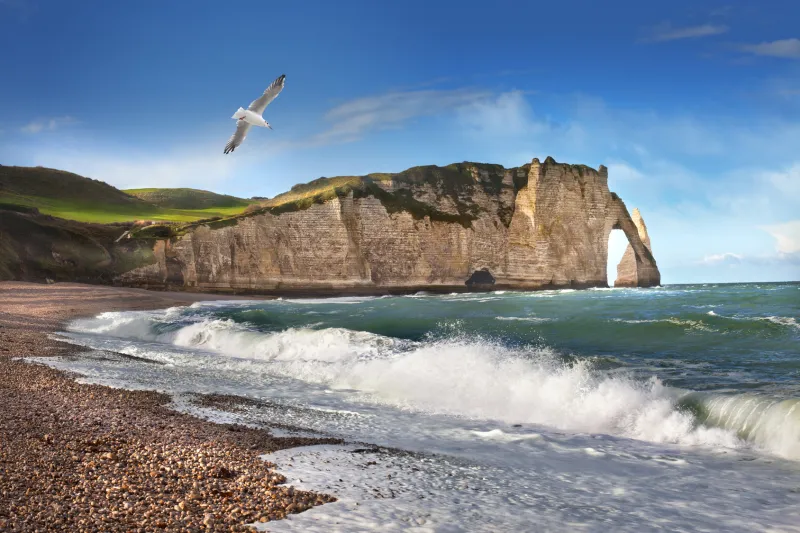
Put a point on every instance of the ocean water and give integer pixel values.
(675, 408)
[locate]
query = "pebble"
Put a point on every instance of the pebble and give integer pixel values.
(77, 457)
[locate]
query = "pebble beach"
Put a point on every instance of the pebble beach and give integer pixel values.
(83, 458)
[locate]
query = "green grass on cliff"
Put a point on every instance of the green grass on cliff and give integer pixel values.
(456, 181)
(321, 189)
(72, 197)
(188, 199)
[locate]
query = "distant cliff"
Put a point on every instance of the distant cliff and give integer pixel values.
(467, 225)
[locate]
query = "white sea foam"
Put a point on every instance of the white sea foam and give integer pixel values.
(463, 376)
(783, 321)
(787, 321)
(684, 323)
(336, 300)
(523, 318)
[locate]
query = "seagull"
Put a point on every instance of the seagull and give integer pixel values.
(252, 115)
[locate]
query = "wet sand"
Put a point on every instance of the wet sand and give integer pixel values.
(91, 458)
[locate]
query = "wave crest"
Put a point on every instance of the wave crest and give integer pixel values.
(475, 377)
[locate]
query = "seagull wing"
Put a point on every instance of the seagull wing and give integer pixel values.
(242, 127)
(260, 104)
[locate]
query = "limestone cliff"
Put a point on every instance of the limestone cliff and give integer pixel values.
(632, 270)
(463, 226)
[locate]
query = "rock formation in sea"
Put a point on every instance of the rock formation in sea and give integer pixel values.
(632, 270)
(460, 227)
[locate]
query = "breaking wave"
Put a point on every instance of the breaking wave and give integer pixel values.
(476, 377)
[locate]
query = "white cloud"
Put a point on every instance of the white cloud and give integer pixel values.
(787, 236)
(726, 258)
(620, 170)
(666, 32)
(352, 120)
(786, 48)
(506, 114)
(51, 124)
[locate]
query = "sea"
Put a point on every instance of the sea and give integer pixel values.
(674, 408)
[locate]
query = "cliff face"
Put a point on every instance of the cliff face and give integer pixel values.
(634, 270)
(430, 228)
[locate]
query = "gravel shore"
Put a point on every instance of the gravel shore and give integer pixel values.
(91, 458)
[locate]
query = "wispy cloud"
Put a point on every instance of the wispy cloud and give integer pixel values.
(785, 48)
(622, 171)
(787, 236)
(502, 115)
(51, 124)
(731, 260)
(666, 32)
(355, 118)
(726, 258)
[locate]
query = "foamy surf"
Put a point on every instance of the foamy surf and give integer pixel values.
(504, 420)
(464, 376)
(524, 318)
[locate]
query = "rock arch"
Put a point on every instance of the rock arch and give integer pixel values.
(638, 266)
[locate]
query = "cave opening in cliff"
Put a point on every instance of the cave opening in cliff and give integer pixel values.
(617, 242)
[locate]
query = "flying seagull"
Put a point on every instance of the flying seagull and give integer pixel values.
(252, 115)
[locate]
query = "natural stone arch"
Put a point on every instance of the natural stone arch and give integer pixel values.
(638, 266)
(617, 246)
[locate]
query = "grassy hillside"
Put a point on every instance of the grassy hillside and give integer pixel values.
(36, 247)
(69, 196)
(188, 198)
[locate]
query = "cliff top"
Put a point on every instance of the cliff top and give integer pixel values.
(69, 196)
(450, 177)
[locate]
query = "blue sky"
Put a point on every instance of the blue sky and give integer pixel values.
(693, 105)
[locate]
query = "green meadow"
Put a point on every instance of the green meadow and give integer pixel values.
(69, 196)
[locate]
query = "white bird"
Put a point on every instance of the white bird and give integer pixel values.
(252, 115)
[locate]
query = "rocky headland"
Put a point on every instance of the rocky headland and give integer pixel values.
(466, 226)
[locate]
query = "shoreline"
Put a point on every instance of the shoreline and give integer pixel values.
(368, 290)
(80, 457)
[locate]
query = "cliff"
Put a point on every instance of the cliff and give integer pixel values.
(468, 225)
(633, 270)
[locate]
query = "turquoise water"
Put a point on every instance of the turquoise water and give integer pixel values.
(704, 337)
(555, 409)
